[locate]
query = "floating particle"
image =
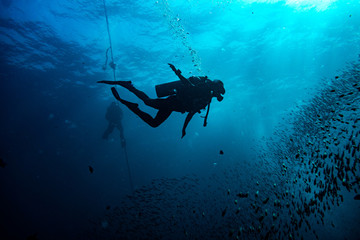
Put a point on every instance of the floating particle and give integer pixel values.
(221, 152)
(91, 169)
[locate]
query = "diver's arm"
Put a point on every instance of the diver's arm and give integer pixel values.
(187, 120)
(183, 79)
(207, 114)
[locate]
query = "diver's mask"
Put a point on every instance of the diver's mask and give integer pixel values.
(218, 90)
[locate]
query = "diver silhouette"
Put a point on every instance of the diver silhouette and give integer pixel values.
(114, 116)
(187, 95)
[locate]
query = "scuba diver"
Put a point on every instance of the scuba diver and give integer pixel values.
(187, 95)
(114, 116)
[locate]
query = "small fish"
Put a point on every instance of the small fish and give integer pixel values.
(231, 232)
(32, 237)
(224, 212)
(221, 152)
(91, 169)
(2, 163)
(108, 207)
(242, 195)
(357, 197)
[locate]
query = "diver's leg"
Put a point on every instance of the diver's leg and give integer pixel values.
(163, 103)
(109, 130)
(160, 117)
(122, 138)
(129, 86)
(128, 104)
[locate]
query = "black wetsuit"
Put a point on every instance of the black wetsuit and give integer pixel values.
(193, 96)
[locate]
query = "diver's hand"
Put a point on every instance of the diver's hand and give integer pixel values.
(187, 120)
(174, 69)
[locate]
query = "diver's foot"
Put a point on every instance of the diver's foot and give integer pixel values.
(125, 84)
(130, 105)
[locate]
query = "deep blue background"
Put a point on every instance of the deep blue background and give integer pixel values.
(272, 57)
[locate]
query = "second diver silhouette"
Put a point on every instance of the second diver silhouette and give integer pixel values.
(114, 116)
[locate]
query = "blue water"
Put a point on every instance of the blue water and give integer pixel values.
(279, 61)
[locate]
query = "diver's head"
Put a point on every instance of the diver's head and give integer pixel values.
(218, 90)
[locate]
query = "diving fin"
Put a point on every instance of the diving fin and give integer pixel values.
(130, 105)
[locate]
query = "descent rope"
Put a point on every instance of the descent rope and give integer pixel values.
(113, 66)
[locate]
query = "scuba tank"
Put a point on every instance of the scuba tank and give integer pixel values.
(171, 88)
(167, 89)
